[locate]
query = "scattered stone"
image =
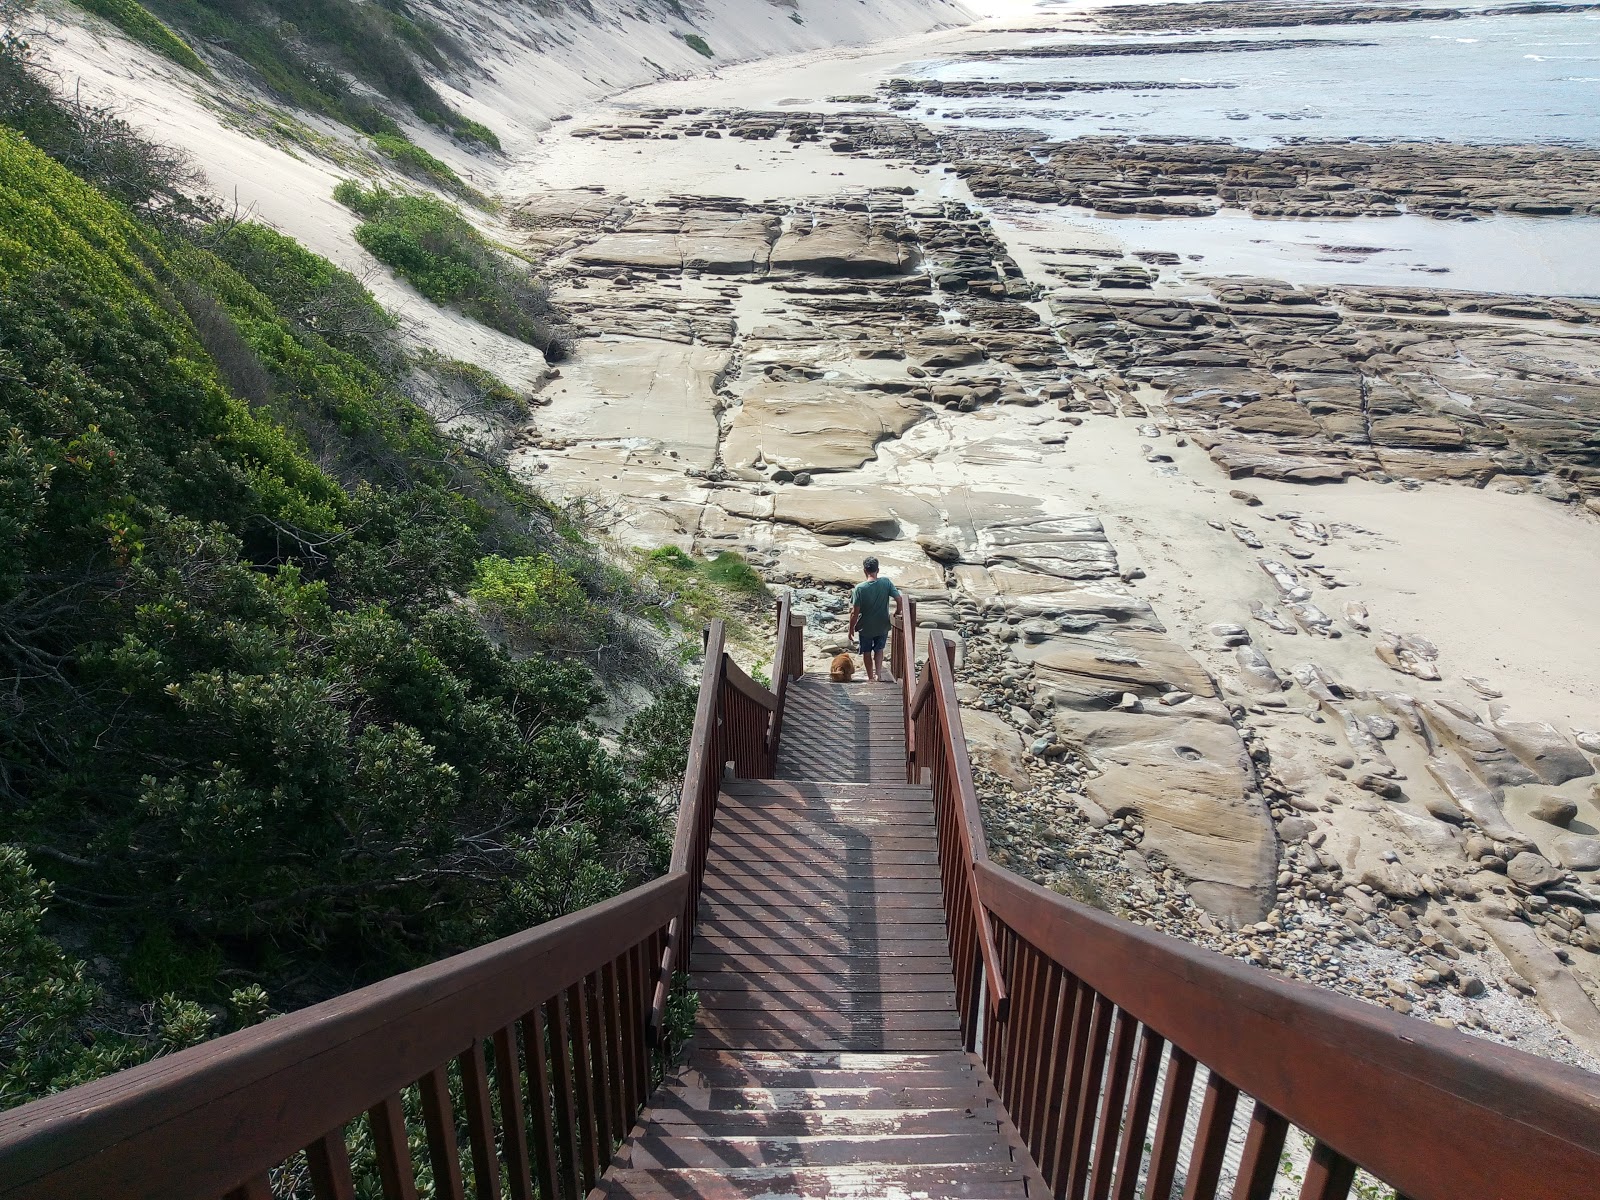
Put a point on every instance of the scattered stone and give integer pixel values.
(1554, 810)
(1532, 870)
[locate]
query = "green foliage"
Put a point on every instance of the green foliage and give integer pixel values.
(698, 44)
(44, 996)
(730, 570)
(135, 20)
(250, 730)
(307, 50)
(430, 244)
(417, 162)
(688, 592)
(657, 736)
(534, 598)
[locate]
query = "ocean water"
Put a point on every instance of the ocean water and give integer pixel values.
(1478, 79)
(1481, 78)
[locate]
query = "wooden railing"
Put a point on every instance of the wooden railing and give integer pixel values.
(541, 1041)
(732, 724)
(903, 666)
(941, 762)
(788, 662)
(538, 1038)
(1113, 1028)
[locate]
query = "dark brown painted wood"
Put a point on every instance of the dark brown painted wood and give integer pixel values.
(1164, 1151)
(438, 1116)
(480, 1123)
(393, 1151)
(513, 1113)
(1263, 1150)
(329, 1161)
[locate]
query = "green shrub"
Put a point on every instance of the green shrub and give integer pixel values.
(135, 20)
(251, 732)
(698, 44)
(429, 243)
(416, 161)
(537, 597)
(730, 570)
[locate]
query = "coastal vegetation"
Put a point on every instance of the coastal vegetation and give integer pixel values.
(331, 56)
(135, 20)
(295, 689)
(431, 245)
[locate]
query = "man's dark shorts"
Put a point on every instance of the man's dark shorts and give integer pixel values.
(871, 642)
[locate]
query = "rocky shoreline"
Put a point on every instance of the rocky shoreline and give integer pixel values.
(1190, 701)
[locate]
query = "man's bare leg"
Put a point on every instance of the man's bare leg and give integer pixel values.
(875, 671)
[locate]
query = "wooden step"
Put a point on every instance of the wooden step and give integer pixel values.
(958, 1181)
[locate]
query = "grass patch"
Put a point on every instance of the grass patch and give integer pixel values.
(136, 21)
(698, 44)
(688, 592)
(430, 244)
(420, 164)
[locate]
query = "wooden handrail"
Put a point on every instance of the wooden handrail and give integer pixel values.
(737, 679)
(733, 723)
(941, 753)
(788, 662)
(903, 663)
(212, 1120)
(1435, 1114)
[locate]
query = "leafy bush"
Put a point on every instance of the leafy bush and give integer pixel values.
(534, 597)
(730, 570)
(431, 245)
(416, 161)
(698, 44)
(135, 20)
(250, 731)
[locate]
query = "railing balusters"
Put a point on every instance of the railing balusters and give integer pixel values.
(1146, 1077)
(513, 1115)
(329, 1160)
(631, 1022)
(480, 1123)
(583, 1066)
(547, 1115)
(1088, 1103)
(1263, 1153)
(561, 1060)
(616, 1086)
(1329, 1174)
(1062, 1015)
(1211, 1139)
(1077, 1035)
(439, 1118)
(395, 1172)
(1047, 1038)
(1169, 1128)
(1124, 1033)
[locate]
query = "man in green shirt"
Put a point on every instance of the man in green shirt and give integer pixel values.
(869, 618)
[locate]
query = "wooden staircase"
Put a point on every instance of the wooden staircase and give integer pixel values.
(883, 1013)
(827, 1059)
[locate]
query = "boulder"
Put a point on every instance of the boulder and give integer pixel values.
(1540, 748)
(844, 245)
(995, 746)
(1577, 853)
(1191, 785)
(1532, 870)
(1553, 810)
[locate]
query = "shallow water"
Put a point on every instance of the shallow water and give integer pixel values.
(1500, 79)
(1518, 79)
(1549, 256)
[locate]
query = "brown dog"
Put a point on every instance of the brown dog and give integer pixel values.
(843, 668)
